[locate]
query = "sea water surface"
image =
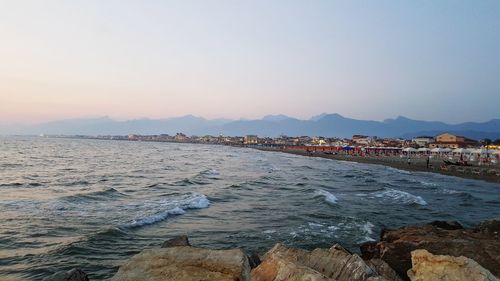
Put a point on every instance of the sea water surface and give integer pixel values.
(92, 204)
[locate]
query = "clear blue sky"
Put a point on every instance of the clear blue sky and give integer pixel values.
(430, 60)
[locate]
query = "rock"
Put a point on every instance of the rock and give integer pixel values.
(429, 267)
(72, 275)
(448, 225)
(276, 268)
(186, 264)
(383, 269)
(491, 227)
(335, 264)
(395, 246)
(253, 260)
(176, 241)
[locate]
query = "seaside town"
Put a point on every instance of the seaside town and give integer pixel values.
(445, 153)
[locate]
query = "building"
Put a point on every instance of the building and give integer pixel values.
(360, 139)
(423, 141)
(447, 140)
(180, 137)
(250, 139)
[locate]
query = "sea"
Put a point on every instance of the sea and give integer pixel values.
(92, 204)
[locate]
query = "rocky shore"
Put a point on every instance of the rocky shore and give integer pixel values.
(438, 251)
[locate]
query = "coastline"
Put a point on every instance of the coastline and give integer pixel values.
(417, 164)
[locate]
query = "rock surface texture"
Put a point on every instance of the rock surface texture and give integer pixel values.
(429, 267)
(334, 264)
(176, 241)
(72, 275)
(481, 244)
(187, 264)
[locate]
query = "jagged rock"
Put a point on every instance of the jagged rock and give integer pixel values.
(383, 269)
(253, 260)
(396, 246)
(276, 268)
(429, 267)
(448, 225)
(176, 241)
(72, 275)
(320, 264)
(491, 227)
(186, 264)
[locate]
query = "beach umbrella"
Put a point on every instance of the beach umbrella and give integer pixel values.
(423, 149)
(446, 150)
(409, 149)
(459, 150)
(479, 151)
(437, 150)
(496, 152)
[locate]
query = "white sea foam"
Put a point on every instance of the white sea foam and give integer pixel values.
(315, 225)
(198, 202)
(368, 227)
(425, 183)
(333, 228)
(174, 207)
(330, 198)
(212, 174)
(156, 218)
(270, 231)
(449, 191)
(400, 196)
(346, 229)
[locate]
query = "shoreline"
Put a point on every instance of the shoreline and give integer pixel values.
(417, 164)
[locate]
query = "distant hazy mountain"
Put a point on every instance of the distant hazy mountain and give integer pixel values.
(330, 125)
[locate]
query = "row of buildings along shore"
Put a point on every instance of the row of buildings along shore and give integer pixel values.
(445, 141)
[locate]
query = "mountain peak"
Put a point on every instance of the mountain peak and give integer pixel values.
(323, 115)
(275, 118)
(398, 118)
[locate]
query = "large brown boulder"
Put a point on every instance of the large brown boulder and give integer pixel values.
(395, 246)
(335, 264)
(186, 264)
(429, 267)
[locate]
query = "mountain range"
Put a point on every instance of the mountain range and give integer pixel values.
(328, 125)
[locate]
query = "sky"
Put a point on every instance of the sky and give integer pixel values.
(427, 60)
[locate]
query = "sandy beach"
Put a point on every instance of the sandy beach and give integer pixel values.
(487, 173)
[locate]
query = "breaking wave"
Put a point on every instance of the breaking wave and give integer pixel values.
(330, 198)
(400, 196)
(174, 207)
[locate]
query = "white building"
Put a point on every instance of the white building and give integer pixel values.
(423, 141)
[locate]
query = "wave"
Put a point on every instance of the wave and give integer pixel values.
(211, 174)
(176, 207)
(109, 193)
(430, 184)
(330, 198)
(202, 178)
(404, 172)
(400, 196)
(14, 184)
(19, 184)
(156, 218)
(346, 228)
(75, 183)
